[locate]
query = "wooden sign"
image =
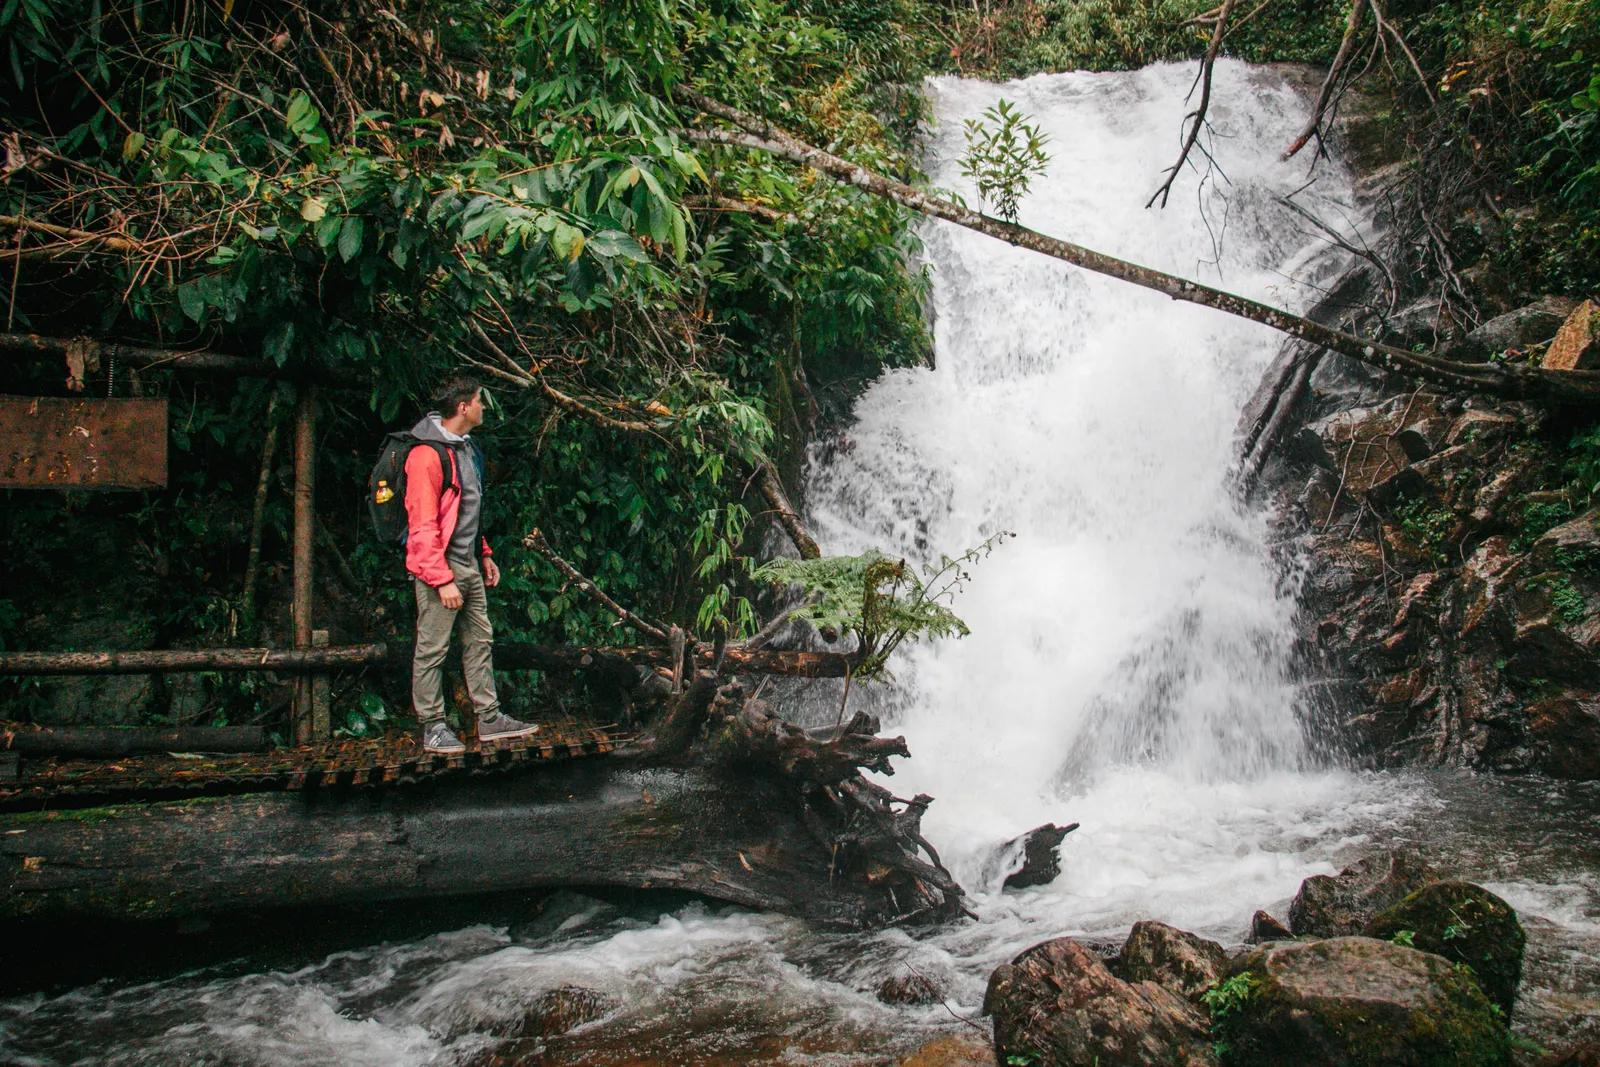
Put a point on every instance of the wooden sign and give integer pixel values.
(51, 442)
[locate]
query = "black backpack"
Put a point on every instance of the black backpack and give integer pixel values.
(386, 485)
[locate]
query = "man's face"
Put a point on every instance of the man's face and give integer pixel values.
(472, 411)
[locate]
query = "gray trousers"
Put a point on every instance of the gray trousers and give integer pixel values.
(435, 623)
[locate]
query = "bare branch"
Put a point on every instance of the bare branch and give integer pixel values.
(1207, 66)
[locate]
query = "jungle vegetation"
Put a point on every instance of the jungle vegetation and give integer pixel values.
(394, 190)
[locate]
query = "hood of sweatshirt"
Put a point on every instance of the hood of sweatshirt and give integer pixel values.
(431, 428)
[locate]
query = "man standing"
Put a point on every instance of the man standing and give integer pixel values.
(451, 567)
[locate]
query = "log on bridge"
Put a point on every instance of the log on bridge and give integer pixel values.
(723, 799)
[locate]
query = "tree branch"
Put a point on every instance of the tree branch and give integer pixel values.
(1207, 66)
(1524, 382)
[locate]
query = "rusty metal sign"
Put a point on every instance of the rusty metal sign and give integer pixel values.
(51, 442)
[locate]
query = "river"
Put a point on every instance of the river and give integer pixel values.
(1129, 668)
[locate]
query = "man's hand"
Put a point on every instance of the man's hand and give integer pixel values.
(450, 596)
(491, 573)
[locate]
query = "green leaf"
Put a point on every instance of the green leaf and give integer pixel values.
(350, 237)
(132, 144)
(192, 301)
(610, 243)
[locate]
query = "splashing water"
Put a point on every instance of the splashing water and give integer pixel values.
(1138, 620)
(1128, 668)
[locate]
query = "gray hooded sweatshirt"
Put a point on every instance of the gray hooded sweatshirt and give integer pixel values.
(463, 547)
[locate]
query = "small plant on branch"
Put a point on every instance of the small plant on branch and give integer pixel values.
(1005, 153)
(882, 601)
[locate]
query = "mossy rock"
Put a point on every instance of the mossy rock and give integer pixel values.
(1354, 1002)
(1464, 923)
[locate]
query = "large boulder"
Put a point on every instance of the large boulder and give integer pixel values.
(1531, 325)
(1172, 958)
(1058, 1005)
(1354, 1002)
(1465, 923)
(1334, 905)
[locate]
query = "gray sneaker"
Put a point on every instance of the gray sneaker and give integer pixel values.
(501, 727)
(441, 740)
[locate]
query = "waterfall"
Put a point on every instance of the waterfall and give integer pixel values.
(1138, 623)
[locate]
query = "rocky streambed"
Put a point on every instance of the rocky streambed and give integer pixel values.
(1383, 963)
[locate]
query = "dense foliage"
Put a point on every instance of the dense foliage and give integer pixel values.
(391, 191)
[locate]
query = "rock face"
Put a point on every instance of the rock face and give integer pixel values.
(1058, 1005)
(1577, 344)
(1336, 905)
(1452, 578)
(1172, 958)
(1351, 1001)
(1467, 924)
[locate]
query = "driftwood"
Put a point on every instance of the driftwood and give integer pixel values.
(92, 741)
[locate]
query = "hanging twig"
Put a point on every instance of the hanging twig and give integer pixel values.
(1325, 95)
(1207, 65)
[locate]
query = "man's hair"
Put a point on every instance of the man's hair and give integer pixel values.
(454, 391)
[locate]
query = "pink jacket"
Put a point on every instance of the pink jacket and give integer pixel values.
(431, 513)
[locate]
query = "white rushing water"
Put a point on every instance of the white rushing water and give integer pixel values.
(1128, 667)
(1129, 661)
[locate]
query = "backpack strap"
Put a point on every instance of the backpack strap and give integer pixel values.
(447, 478)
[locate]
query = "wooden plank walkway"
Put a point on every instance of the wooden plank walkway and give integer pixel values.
(37, 783)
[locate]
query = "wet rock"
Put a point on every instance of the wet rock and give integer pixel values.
(1525, 326)
(1334, 905)
(1263, 927)
(1483, 429)
(1564, 735)
(910, 988)
(561, 1009)
(1571, 545)
(1174, 959)
(958, 1050)
(1583, 1055)
(1041, 860)
(1577, 343)
(564, 914)
(1059, 1004)
(1349, 1001)
(1465, 923)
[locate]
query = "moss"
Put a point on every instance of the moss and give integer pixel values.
(1276, 1024)
(1468, 925)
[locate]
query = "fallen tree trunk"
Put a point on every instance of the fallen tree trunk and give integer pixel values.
(1498, 379)
(93, 741)
(724, 799)
(507, 656)
(741, 838)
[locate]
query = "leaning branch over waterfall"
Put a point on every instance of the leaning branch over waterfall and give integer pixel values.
(1522, 382)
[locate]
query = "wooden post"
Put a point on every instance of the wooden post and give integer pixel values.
(321, 703)
(304, 503)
